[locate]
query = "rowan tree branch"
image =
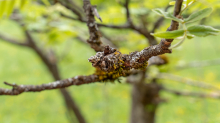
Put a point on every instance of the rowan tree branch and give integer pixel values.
(78, 80)
(95, 35)
(110, 60)
(113, 60)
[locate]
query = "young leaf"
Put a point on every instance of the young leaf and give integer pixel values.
(159, 11)
(166, 15)
(202, 31)
(198, 15)
(46, 2)
(188, 1)
(169, 34)
(172, 3)
(189, 36)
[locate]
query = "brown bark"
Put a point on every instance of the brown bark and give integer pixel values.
(145, 99)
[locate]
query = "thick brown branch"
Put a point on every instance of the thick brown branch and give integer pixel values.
(214, 95)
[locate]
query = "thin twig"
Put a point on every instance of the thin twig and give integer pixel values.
(187, 81)
(13, 41)
(199, 64)
(214, 95)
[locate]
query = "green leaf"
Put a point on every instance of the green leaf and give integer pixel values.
(189, 36)
(23, 3)
(198, 15)
(3, 5)
(202, 31)
(169, 34)
(188, 1)
(46, 2)
(172, 3)
(166, 15)
(159, 11)
(11, 5)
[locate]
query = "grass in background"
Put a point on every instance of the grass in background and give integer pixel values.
(102, 103)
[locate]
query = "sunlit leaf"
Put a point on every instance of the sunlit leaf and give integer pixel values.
(46, 2)
(202, 31)
(166, 15)
(22, 3)
(10, 5)
(172, 2)
(198, 15)
(169, 34)
(3, 4)
(188, 1)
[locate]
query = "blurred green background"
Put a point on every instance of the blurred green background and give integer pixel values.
(101, 102)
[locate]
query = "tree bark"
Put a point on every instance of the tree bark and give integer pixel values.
(145, 100)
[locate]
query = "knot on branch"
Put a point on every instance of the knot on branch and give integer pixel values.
(109, 60)
(15, 90)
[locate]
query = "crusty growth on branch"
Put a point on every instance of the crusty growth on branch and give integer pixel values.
(135, 60)
(110, 63)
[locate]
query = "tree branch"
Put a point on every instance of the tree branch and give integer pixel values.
(125, 26)
(214, 95)
(13, 41)
(95, 35)
(128, 16)
(197, 64)
(51, 64)
(74, 8)
(187, 81)
(110, 60)
(78, 80)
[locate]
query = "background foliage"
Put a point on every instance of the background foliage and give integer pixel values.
(108, 102)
